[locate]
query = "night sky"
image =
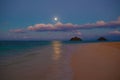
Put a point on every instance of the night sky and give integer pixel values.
(34, 19)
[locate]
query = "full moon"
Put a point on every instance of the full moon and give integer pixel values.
(55, 18)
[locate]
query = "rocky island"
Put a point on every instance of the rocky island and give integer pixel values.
(75, 39)
(102, 39)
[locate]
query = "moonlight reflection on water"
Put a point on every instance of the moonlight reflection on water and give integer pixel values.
(57, 50)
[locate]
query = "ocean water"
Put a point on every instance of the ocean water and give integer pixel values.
(11, 48)
(35, 60)
(14, 47)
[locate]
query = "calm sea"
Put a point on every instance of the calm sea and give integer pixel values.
(35, 60)
(8, 48)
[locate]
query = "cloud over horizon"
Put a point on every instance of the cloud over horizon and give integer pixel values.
(17, 30)
(69, 26)
(115, 32)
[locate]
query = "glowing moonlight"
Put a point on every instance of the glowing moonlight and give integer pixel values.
(55, 18)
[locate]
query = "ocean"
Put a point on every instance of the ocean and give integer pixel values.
(35, 60)
(8, 48)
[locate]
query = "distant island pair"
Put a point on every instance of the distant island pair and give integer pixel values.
(79, 39)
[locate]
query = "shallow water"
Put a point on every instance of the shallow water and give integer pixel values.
(42, 61)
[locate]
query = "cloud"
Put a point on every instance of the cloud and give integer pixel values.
(100, 23)
(115, 32)
(18, 31)
(69, 26)
(41, 27)
(51, 27)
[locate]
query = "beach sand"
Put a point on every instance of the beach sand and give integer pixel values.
(96, 61)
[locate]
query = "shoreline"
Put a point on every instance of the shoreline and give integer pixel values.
(59, 61)
(96, 61)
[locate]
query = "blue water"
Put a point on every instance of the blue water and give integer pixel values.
(46, 60)
(15, 47)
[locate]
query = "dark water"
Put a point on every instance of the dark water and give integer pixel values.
(35, 60)
(15, 47)
(8, 48)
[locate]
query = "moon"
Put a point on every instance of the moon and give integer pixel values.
(55, 18)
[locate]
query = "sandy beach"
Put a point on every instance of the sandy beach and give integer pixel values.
(96, 61)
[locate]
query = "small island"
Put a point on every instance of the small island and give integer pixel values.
(75, 39)
(102, 39)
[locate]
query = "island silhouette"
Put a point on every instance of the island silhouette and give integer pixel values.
(75, 39)
(102, 39)
(79, 39)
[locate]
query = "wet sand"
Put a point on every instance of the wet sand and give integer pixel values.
(96, 61)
